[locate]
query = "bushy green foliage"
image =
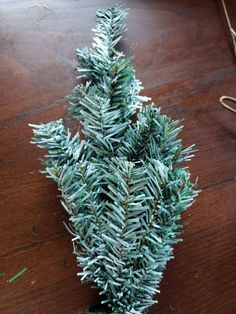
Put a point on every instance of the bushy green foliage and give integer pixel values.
(122, 185)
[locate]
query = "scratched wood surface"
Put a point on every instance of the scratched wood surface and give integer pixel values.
(184, 58)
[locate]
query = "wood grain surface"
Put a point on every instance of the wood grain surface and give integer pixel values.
(184, 58)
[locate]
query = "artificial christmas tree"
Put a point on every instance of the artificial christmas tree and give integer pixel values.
(123, 185)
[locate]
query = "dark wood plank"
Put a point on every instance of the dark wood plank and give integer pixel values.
(49, 286)
(184, 59)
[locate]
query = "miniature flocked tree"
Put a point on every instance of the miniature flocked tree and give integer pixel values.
(123, 185)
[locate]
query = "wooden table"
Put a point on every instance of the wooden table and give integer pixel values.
(184, 59)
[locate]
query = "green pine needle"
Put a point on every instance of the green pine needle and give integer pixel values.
(21, 272)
